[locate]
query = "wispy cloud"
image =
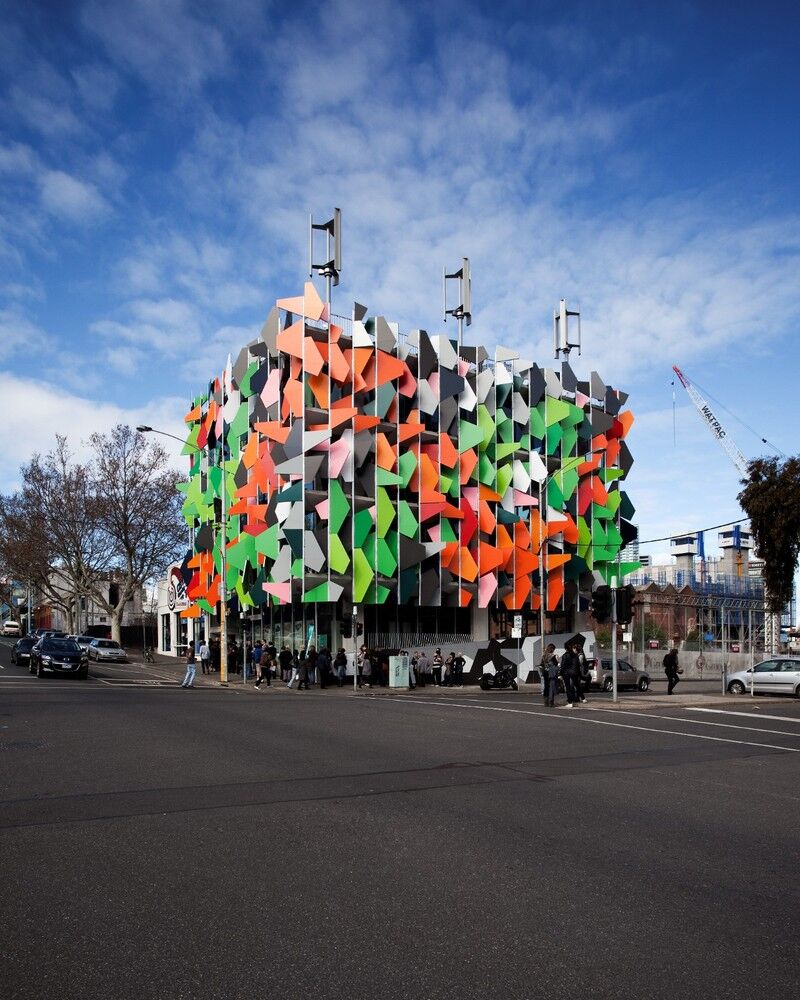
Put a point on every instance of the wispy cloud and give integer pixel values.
(71, 198)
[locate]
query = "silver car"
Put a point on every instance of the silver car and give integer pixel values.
(106, 650)
(627, 676)
(778, 675)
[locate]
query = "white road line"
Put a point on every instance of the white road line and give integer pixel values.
(700, 722)
(595, 722)
(745, 715)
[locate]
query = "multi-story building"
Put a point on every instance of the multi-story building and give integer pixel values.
(413, 486)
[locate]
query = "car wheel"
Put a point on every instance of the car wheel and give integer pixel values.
(608, 684)
(39, 669)
(797, 691)
(486, 682)
(736, 687)
(514, 686)
(644, 684)
(13, 659)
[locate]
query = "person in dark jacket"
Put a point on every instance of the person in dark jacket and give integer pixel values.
(571, 672)
(671, 669)
(323, 667)
(549, 671)
(340, 665)
(458, 669)
(305, 666)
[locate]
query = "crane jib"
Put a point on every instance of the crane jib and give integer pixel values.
(715, 425)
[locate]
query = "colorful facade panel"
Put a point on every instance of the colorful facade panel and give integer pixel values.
(368, 468)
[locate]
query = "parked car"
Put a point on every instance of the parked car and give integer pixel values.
(21, 653)
(628, 676)
(84, 641)
(10, 627)
(778, 675)
(59, 656)
(107, 650)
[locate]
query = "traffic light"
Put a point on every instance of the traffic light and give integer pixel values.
(601, 603)
(625, 604)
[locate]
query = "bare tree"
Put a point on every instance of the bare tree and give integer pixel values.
(137, 515)
(47, 535)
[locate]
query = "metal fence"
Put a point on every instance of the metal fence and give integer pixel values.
(416, 640)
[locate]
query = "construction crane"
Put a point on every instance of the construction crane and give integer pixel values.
(712, 422)
(728, 445)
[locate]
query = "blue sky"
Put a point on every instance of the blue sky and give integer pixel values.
(158, 159)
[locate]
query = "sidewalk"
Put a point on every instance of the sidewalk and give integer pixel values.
(172, 671)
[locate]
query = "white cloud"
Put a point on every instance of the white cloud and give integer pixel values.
(70, 198)
(53, 118)
(159, 40)
(17, 158)
(97, 85)
(19, 335)
(34, 411)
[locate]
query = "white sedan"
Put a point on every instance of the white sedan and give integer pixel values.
(779, 675)
(106, 650)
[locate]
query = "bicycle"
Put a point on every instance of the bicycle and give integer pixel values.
(148, 655)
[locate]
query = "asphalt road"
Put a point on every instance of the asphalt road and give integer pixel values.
(165, 843)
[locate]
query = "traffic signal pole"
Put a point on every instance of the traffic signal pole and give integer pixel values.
(614, 696)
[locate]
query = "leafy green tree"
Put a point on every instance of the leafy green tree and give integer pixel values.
(771, 499)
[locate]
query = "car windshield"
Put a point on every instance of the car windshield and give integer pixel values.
(60, 646)
(107, 644)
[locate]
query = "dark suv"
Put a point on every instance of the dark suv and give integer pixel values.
(60, 656)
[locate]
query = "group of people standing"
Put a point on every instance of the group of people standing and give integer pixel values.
(436, 670)
(573, 669)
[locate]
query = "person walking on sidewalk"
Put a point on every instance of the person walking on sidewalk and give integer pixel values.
(423, 669)
(285, 661)
(205, 657)
(438, 663)
(571, 671)
(264, 670)
(549, 672)
(191, 666)
(340, 665)
(671, 669)
(305, 667)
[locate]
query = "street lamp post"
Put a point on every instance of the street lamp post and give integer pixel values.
(223, 650)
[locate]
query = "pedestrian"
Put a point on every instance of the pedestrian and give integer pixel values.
(458, 669)
(449, 668)
(438, 663)
(215, 653)
(285, 661)
(256, 653)
(366, 669)
(295, 669)
(271, 651)
(340, 665)
(303, 669)
(191, 666)
(671, 669)
(424, 669)
(413, 668)
(205, 657)
(549, 671)
(323, 667)
(571, 672)
(383, 668)
(264, 670)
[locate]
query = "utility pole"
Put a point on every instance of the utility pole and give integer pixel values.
(223, 601)
(355, 648)
(614, 696)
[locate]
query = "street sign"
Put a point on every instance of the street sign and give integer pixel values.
(627, 636)
(516, 633)
(518, 622)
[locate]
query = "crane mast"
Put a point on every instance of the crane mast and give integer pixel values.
(712, 422)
